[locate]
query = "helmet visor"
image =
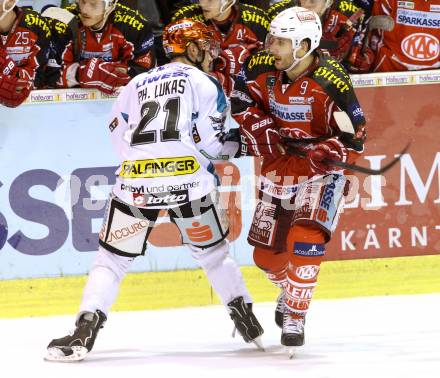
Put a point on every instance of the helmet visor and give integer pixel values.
(278, 45)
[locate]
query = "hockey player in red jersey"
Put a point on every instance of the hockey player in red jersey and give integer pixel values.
(337, 26)
(289, 102)
(167, 127)
(105, 45)
(239, 28)
(23, 51)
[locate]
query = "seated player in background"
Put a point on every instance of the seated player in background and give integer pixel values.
(24, 46)
(239, 28)
(338, 22)
(103, 47)
(168, 125)
(413, 43)
(288, 101)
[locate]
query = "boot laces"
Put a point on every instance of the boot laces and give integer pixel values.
(293, 325)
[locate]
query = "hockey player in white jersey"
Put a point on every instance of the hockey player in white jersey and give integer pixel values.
(167, 126)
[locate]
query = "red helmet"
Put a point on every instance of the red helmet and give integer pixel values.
(179, 34)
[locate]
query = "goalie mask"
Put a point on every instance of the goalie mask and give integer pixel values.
(94, 13)
(6, 6)
(287, 30)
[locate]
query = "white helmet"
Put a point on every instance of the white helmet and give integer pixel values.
(6, 11)
(297, 24)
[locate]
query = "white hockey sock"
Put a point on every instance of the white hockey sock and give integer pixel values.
(222, 271)
(103, 283)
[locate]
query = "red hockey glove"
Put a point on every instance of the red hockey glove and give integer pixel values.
(330, 149)
(13, 91)
(229, 61)
(344, 43)
(7, 65)
(105, 76)
(361, 62)
(261, 137)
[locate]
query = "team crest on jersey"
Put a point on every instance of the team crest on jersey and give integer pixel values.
(421, 47)
(405, 4)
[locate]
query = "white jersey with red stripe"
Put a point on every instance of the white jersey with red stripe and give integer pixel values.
(166, 128)
(413, 44)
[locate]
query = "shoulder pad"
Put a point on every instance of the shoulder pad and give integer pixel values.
(346, 7)
(335, 81)
(192, 11)
(278, 7)
(253, 16)
(257, 64)
(128, 20)
(33, 21)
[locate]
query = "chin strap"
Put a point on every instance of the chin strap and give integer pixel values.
(195, 63)
(223, 9)
(107, 13)
(6, 11)
(296, 61)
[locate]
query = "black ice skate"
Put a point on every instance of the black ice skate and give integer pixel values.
(279, 310)
(292, 335)
(74, 347)
(245, 322)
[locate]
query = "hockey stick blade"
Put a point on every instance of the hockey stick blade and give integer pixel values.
(354, 167)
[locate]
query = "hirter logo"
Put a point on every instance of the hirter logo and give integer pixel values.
(421, 46)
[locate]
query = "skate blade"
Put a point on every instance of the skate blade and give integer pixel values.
(259, 344)
(291, 350)
(54, 354)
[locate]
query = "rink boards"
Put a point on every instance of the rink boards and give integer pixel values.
(57, 167)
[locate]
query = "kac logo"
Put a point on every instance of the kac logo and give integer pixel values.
(421, 46)
(307, 272)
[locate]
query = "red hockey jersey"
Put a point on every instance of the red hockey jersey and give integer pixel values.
(27, 44)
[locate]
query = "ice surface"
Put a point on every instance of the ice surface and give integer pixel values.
(374, 337)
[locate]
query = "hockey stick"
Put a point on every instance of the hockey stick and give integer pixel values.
(292, 150)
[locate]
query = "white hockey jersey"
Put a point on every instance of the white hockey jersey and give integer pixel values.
(165, 128)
